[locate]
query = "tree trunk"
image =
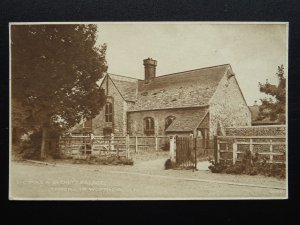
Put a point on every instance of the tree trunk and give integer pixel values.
(44, 141)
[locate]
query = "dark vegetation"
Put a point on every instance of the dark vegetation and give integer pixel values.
(169, 164)
(111, 160)
(250, 166)
(54, 72)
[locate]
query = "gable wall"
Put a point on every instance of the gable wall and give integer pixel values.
(228, 107)
(119, 112)
(205, 122)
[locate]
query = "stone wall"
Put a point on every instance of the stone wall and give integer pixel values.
(271, 130)
(119, 112)
(135, 119)
(228, 107)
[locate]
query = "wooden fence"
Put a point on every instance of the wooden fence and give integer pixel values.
(114, 145)
(75, 145)
(272, 149)
(117, 146)
(140, 143)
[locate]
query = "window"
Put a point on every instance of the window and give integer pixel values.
(108, 112)
(149, 125)
(168, 121)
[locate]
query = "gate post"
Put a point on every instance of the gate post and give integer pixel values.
(234, 151)
(216, 148)
(91, 143)
(127, 146)
(172, 149)
(193, 147)
(271, 151)
(112, 137)
(251, 150)
(136, 144)
(156, 143)
(84, 141)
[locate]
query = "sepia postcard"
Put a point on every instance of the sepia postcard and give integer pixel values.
(148, 110)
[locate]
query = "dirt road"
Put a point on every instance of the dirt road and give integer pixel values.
(66, 181)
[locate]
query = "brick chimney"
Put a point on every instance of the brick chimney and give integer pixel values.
(150, 68)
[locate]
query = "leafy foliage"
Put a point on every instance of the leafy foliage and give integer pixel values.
(21, 121)
(54, 72)
(55, 69)
(274, 109)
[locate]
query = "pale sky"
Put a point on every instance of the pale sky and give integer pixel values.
(253, 50)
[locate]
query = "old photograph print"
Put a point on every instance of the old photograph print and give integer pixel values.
(148, 110)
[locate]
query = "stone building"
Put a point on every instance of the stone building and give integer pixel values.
(201, 102)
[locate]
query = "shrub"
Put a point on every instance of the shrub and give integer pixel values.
(111, 160)
(127, 161)
(217, 167)
(57, 155)
(250, 166)
(31, 147)
(169, 164)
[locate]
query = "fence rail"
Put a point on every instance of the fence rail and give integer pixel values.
(114, 145)
(269, 148)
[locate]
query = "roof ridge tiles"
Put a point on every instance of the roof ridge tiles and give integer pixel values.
(186, 71)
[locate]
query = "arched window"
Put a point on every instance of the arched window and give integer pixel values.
(148, 125)
(108, 112)
(168, 121)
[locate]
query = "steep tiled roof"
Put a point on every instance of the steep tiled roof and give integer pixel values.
(187, 122)
(126, 85)
(184, 89)
(254, 117)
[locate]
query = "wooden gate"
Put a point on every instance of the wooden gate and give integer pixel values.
(103, 146)
(186, 152)
(95, 146)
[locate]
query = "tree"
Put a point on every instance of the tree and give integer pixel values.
(55, 69)
(274, 107)
(20, 115)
